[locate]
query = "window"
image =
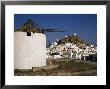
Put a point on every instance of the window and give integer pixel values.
(28, 33)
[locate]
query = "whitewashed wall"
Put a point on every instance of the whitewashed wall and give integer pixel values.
(29, 51)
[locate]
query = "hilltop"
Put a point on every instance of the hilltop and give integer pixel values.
(75, 39)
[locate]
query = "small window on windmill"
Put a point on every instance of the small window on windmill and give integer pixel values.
(28, 33)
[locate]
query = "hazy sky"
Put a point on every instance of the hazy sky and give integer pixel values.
(84, 25)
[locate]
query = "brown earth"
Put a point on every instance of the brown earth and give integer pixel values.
(62, 68)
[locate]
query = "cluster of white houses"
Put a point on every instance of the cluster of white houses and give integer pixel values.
(71, 51)
(30, 50)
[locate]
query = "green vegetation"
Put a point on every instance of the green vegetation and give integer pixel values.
(65, 68)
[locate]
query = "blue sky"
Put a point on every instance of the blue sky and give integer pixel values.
(84, 25)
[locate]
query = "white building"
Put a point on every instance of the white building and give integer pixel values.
(29, 50)
(68, 50)
(72, 51)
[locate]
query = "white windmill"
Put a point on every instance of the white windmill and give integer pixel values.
(30, 46)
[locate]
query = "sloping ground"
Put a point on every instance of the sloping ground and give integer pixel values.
(65, 68)
(81, 73)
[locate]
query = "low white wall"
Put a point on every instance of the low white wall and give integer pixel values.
(29, 51)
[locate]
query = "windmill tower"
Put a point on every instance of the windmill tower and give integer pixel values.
(30, 46)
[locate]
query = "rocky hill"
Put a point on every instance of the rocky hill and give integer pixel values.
(72, 39)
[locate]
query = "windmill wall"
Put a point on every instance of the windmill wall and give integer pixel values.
(29, 51)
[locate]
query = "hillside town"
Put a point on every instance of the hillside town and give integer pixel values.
(71, 50)
(66, 56)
